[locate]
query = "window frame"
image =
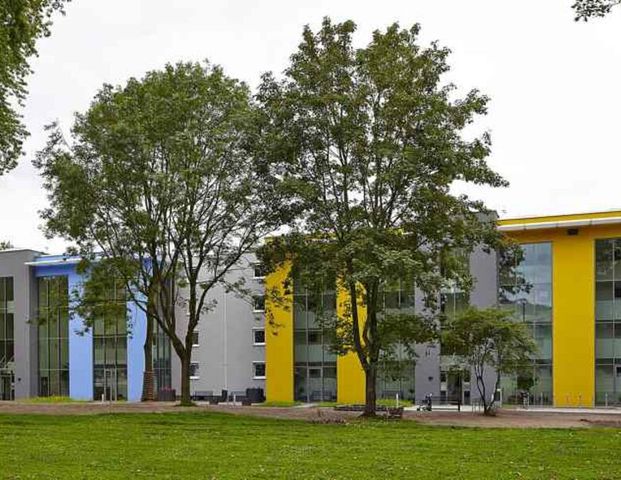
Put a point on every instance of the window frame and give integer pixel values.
(198, 368)
(254, 339)
(254, 304)
(256, 265)
(254, 370)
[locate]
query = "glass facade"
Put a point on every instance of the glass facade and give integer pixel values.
(315, 365)
(454, 372)
(525, 289)
(7, 339)
(53, 335)
(110, 349)
(396, 376)
(608, 322)
(161, 361)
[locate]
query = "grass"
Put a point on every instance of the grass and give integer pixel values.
(221, 446)
(51, 400)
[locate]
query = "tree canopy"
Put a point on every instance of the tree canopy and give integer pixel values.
(586, 9)
(160, 181)
(487, 339)
(22, 23)
(368, 143)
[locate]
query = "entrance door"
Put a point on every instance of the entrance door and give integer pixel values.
(110, 385)
(455, 387)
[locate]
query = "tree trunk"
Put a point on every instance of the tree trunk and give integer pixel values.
(370, 401)
(186, 399)
(147, 380)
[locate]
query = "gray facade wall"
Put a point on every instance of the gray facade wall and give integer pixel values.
(483, 267)
(226, 351)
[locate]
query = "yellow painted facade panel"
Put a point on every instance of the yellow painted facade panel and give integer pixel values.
(573, 309)
(350, 380)
(573, 317)
(278, 338)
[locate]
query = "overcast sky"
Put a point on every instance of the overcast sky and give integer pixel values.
(555, 85)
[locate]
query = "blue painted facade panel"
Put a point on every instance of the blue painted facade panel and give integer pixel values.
(135, 351)
(81, 344)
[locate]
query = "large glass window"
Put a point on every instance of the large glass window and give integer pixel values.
(608, 322)
(526, 291)
(161, 361)
(396, 371)
(7, 339)
(315, 365)
(110, 348)
(53, 330)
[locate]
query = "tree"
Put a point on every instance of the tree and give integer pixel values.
(586, 9)
(6, 245)
(488, 339)
(22, 23)
(368, 144)
(159, 181)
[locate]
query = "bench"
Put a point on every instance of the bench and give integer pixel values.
(202, 395)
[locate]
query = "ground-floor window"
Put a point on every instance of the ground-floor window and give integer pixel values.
(315, 383)
(532, 386)
(395, 378)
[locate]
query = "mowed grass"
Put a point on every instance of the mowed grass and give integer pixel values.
(222, 446)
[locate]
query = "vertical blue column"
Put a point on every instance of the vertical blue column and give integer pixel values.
(135, 352)
(80, 352)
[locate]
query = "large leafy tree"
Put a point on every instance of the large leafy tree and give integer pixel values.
(489, 341)
(369, 143)
(586, 9)
(158, 182)
(22, 23)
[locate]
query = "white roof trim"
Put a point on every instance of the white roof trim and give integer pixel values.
(513, 227)
(56, 261)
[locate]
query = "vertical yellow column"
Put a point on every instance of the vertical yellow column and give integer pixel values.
(349, 374)
(278, 337)
(574, 321)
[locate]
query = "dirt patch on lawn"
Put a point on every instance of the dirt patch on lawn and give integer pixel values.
(507, 418)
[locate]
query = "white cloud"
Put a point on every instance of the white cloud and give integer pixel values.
(555, 84)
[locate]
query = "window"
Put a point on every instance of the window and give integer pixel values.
(259, 303)
(259, 336)
(259, 369)
(110, 346)
(53, 333)
(194, 370)
(259, 270)
(195, 338)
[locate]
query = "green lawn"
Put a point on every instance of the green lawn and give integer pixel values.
(221, 446)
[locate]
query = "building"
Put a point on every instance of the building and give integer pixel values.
(574, 264)
(300, 367)
(44, 351)
(229, 341)
(571, 264)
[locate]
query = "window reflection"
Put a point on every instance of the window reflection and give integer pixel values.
(525, 290)
(608, 322)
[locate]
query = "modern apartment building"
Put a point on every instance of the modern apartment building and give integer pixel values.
(571, 264)
(44, 351)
